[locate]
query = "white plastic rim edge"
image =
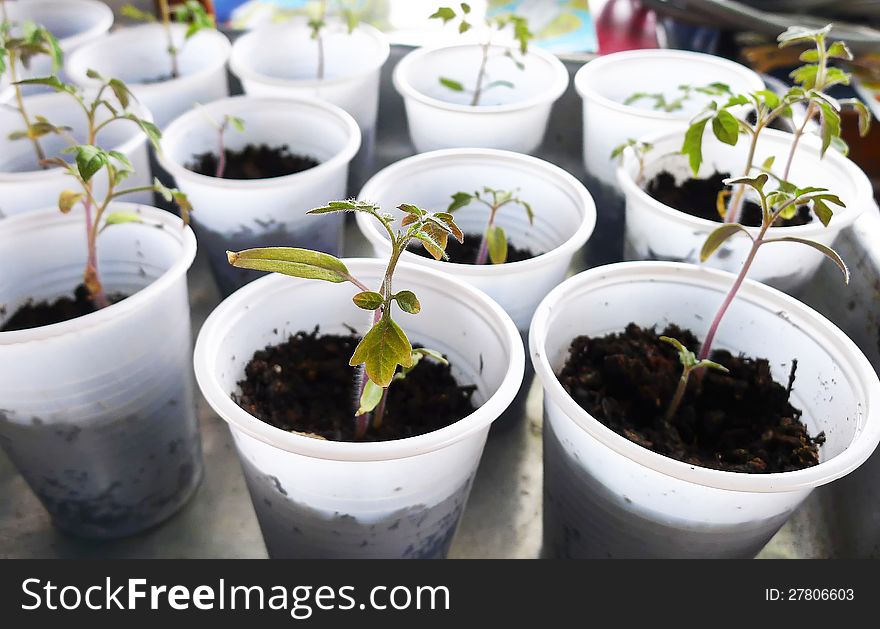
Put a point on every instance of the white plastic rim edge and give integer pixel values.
(233, 309)
(852, 361)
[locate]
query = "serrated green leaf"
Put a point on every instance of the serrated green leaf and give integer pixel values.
(368, 300)
(381, 350)
(408, 302)
(717, 238)
(89, 160)
(302, 263)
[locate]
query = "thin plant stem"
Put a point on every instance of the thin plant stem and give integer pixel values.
(733, 210)
(319, 38)
(481, 75)
(483, 253)
(221, 152)
(22, 110)
(379, 413)
(165, 10)
(679, 394)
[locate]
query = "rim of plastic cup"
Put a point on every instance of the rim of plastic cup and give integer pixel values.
(119, 40)
(665, 143)
(550, 95)
(129, 146)
(234, 308)
(102, 24)
(850, 358)
(244, 72)
(575, 189)
(586, 92)
(171, 227)
(273, 104)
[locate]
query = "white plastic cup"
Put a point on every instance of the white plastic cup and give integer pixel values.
(242, 214)
(565, 216)
(513, 119)
(391, 499)
(138, 55)
(605, 496)
(98, 411)
(24, 186)
(606, 82)
(74, 23)
(659, 232)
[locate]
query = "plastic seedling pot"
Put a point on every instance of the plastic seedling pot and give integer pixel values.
(565, 216)
(139, 56)
(605, 496)
(391, 499)
(24, 186)
(281, 60)
(242, 214)
(659, 232)
(605, 83)
(74, 23)
(514, 119)
(98, 411)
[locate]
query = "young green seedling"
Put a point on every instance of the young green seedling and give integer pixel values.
(493, 246)
(689, 365)
(89, 159)
(20, 49)
(221, 127)
(639, 149)
(385, 346)
(812, 81)
(494, 25)
(660, 102)
(773, 205)
(318, 21)
(191, 13)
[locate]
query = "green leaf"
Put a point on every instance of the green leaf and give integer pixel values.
(757, 183)
(710, 364)
(810, 56)
(768, 163)
(863, 111)
(827, 251)
(718, 237)
(459, 200)
(408, 302)
(123, 216)
(121, 91)
(236, 123)
(455, 86)
(370, 397)
(89, 160)
(839, 50)
(685, 356)
(797, 34)
(464, 27)
(497, 241)
(132, 12)
(693, 144)
(431, 245)
(368, 300)
(380, 351)
(290, 261)
(805, 75)
(465, 8)
(822, 211)
(67, 199)
(443, 13)
(726, 127)
(829, 124)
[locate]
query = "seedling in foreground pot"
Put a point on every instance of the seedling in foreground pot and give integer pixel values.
(385, 346)
(222, 127)
(494, 25)
(318, 22)
(773, 205)
(493, 246)
(18, 50)
(191, 13)
(689, 364)
(661, 103)
(812, 81)
(90, 159)
(640, 150)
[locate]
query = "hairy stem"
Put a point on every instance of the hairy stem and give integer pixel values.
(483, 253)
(733, 210)
(22, 110)
(811, 108)
(165, 10)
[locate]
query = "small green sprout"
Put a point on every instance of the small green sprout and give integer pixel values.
(640, 150)
(222, 127)
(89, 159)
(521, 34)
(773, 205)
(318, 21)
(190, 13)
(689, 364)
(19, 50)
(661, 103)
(811, 84)
(385, 346)
(493, 247)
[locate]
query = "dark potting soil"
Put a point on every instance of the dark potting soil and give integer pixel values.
(38, 314)
(253, 162)
(306, 385)
(699, 197)
(466, 252)
(738, 422)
